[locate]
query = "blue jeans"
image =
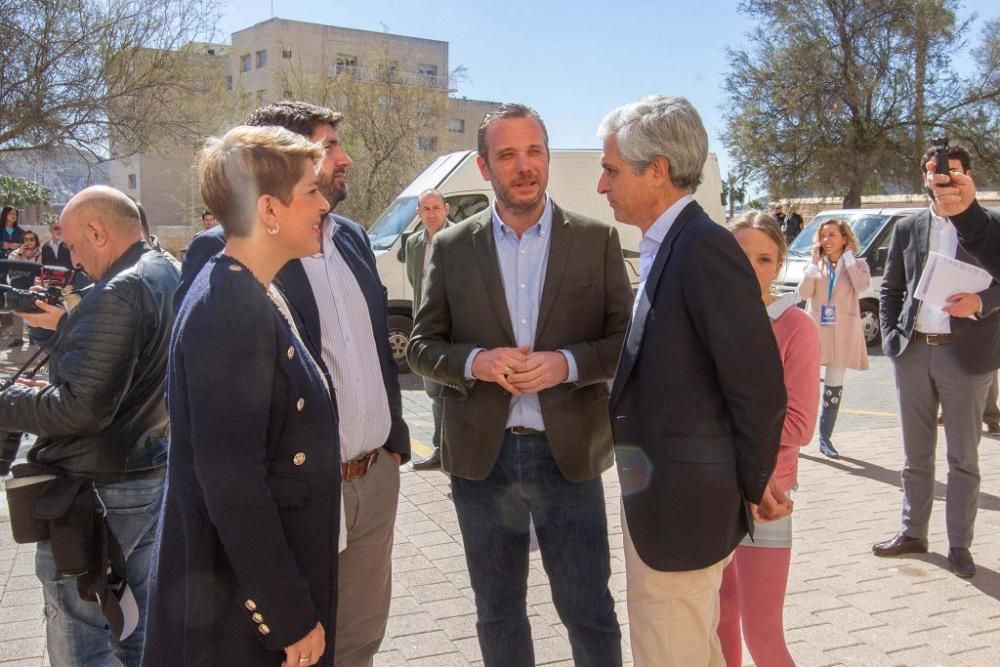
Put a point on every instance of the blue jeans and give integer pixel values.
(571, 525)
(76, 631)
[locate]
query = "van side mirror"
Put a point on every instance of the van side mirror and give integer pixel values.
(878, 261)
(403, 238)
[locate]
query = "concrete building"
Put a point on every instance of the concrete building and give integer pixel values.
(280, 59)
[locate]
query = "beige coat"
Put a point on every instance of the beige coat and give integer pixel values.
(842, 344)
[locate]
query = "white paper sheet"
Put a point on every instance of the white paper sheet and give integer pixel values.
(944, 276)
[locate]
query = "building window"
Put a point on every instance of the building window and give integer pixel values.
(229, 83)
(456, 125)
(428, 74)
(346, 64)
(386, 103)
(286, 54)
(262, 59)
(427, 143)
(132, 182)
(245, 63)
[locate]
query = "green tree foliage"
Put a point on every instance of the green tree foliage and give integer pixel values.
(104, 77)
(21, 193)
(840, 97)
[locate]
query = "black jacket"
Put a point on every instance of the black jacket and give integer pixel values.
(979, 233)
(52, 258)
(103, 413)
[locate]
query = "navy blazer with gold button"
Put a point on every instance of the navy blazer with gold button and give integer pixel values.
(246, 562)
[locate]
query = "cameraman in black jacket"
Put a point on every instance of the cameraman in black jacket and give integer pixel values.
(102, 416)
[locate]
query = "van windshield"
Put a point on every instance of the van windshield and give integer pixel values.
(392, 222)
(866, 227)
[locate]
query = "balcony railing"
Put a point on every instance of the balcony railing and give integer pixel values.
(393, 76)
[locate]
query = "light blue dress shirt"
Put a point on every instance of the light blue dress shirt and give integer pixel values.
(522, 263)
(651, 240)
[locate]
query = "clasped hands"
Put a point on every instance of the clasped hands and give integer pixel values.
(519, 370)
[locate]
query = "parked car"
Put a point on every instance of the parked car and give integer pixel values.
(873, 227)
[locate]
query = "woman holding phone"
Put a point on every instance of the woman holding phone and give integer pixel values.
(833, 283)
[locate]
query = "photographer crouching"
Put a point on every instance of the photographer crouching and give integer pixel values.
(90, 493)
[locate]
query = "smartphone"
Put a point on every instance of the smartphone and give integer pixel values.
(941, 157)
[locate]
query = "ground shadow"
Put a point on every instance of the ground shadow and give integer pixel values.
(861, 468)
(986, 580)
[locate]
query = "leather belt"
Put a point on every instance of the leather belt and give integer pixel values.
(524, 430)
(359, 467)
(934, 339)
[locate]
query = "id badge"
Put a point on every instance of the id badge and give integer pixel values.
(827, 315)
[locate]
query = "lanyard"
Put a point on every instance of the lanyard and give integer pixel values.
(833, 279)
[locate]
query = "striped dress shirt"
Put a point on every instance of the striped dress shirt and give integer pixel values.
(349, 350)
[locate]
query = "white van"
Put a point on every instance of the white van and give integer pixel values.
(573, 176)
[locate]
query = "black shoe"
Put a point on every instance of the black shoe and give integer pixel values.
(432, 462)
(961, 563)
(900, 546)
(16, 343)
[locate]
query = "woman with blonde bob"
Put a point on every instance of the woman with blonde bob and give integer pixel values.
(833, 282)
(246, 567)
(752, 595)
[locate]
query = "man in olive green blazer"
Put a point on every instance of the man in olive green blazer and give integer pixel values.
(432, 210)
(585, 306)
(523, 316)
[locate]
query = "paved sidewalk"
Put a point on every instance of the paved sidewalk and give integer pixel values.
(844, 607)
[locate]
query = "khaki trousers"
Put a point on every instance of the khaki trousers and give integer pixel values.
(673, 616)
(365, 567)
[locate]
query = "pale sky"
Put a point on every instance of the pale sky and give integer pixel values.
(573, 61)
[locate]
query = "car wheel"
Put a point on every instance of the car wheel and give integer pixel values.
(870, 323)
(400, 327)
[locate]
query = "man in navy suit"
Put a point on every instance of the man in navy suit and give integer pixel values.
(341, 309)
(698, 400)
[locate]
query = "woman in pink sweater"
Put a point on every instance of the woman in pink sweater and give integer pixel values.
(753, 585)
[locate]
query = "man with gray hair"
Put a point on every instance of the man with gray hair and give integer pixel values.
(101, 420)
(696, 419)
(432, 210)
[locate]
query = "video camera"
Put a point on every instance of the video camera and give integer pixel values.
(52, 279)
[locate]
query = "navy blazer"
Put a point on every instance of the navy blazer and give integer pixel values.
(352, 242)
(698, 401)
(246, 559)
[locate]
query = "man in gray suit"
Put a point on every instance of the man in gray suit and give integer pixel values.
(941, 356)
(523, 317)
(432, 210)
